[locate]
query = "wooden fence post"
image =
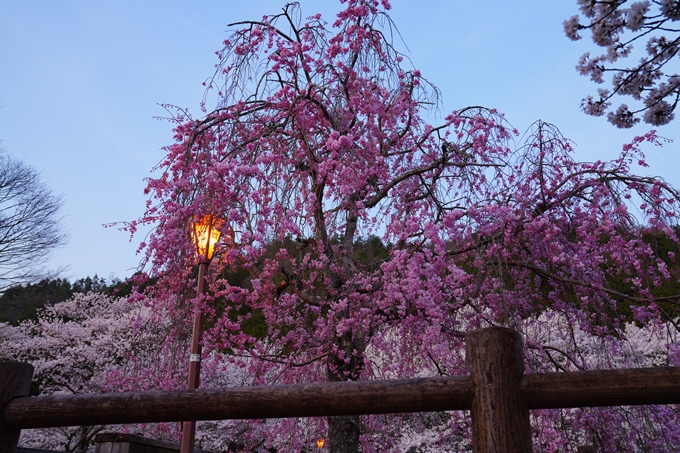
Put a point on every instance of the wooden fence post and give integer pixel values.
(15, 381)
(500, 417)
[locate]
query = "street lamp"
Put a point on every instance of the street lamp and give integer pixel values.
(205, 233)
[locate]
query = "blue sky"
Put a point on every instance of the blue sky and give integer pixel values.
(80, 84)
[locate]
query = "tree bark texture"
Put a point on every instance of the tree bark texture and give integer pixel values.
(500, 417)
(343, 434)
(344, 431)
(15, 382)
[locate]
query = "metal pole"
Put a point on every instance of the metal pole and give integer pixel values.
(189, 428)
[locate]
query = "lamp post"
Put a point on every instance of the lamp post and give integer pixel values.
(205, 234)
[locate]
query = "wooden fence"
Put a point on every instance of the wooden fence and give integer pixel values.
(496, 392)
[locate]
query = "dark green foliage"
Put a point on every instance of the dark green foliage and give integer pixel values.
(662, 246)
(666, 295)
(21, 302)
(371, 251)
(124, 288)
(86, 285)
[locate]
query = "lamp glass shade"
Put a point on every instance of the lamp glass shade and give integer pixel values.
(206, 233)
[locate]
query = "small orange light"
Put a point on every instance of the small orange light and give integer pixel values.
(320, 442)
(206, 233)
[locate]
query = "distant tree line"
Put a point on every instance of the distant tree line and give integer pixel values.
(22, 301)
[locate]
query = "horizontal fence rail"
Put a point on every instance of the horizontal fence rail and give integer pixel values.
(539, 391)
(623, 387)
(305, 400)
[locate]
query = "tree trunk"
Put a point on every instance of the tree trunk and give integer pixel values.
(343, 434)
(343, 431)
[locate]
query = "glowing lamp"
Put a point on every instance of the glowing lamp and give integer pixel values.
(206, 233)
(320, 442)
